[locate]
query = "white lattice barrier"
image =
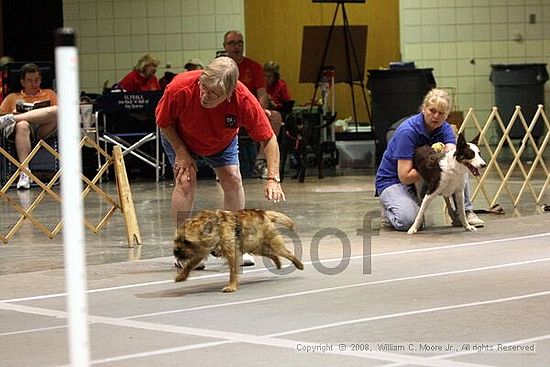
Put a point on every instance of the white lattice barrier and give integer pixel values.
(520, 156)
(123, 201)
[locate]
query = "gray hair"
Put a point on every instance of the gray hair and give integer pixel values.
(438, 98)
(238, 33)
(223, 72)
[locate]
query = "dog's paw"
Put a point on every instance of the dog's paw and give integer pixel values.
(180, 277)
(471, 228)
(229, 289)
(412, 230)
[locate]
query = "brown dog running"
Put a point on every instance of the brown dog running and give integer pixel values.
(229, 234)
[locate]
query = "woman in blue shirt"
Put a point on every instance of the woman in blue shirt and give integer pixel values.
(396, 176)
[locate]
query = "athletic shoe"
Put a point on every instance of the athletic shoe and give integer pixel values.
(24, 182)
(248, 260)
(473, 219)
(6, 120)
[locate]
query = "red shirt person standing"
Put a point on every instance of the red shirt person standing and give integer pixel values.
(200, 115)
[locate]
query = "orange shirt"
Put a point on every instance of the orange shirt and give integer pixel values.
(8, 104)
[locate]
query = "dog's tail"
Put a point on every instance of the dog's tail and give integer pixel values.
(280, 218)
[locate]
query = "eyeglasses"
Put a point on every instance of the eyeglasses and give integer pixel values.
(235, 43)
(209, 92)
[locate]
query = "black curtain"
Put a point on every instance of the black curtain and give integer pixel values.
(28, 27)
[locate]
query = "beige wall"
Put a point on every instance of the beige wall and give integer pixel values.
(274, 32)
(113, 34)
(460, 39)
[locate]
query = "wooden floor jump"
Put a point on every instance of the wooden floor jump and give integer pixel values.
(123, 201)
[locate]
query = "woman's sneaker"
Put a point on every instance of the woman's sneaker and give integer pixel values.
(473, 219)
(24, 182)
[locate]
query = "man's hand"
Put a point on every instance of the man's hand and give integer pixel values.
(273, 191)
(183, 166)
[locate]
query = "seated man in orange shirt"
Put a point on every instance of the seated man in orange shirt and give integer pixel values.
(31, 92)
(26, 127)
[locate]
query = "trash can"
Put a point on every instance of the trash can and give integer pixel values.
(519, 85)
(396, 93)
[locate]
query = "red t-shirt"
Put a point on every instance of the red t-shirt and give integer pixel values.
(207, 131)
(278, 93)
(251, 74)
(135, 82)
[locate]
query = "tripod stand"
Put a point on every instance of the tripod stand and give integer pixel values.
(350, 55)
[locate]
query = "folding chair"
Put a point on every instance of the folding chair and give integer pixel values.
(129, 122)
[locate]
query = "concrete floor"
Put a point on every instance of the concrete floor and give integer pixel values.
(443, 297)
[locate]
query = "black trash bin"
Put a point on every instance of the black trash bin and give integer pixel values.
(396, 93)
(519, 85)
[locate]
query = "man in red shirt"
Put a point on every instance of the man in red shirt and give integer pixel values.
(251, 74)
(200, 115)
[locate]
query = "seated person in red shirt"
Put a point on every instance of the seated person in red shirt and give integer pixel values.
(278, 92)
(142, 78)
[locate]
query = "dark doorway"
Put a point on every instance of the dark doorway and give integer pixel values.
(28, 27)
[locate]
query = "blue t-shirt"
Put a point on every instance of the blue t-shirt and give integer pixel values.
(410, 135)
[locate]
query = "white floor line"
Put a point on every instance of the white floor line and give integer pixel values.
(322, 290)
(264, 341)
(460, 354)
(509, 241)
(37, 330)
(274, 340)
(347, 286)
(415, 312)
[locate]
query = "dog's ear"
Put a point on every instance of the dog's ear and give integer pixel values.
(475, 140)
(461, 141)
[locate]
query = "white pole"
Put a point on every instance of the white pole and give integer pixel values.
(66, 73)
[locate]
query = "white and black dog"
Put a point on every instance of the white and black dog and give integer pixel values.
(445, 174)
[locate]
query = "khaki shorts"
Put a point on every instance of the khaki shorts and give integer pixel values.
(9, 132)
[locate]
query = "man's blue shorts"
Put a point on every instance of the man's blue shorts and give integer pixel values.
(227, 157)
